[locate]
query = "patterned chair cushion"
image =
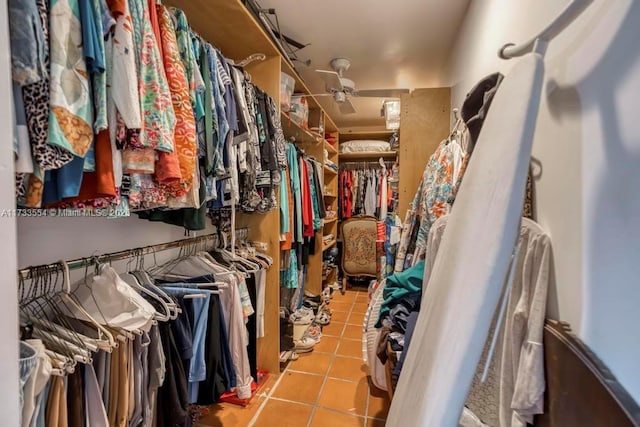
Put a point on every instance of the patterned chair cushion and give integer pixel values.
(359, 246)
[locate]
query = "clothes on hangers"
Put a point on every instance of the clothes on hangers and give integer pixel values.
(434, 198)
(183, 132)
(187, 333)
(365, 190)
(303, 209)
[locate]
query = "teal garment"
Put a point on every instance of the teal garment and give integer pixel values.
(292, 158)
(399, 286)
(317, 220)
(284, 206)
(289, 278)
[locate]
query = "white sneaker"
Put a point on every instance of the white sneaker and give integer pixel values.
(303, 315)
(304, 345)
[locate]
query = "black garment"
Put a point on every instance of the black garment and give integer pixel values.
(316, 181)
(189, 218)
(213, 385)
(75, 399)
(173, 398)
(252, 327)
(476, 105)
(268, 159)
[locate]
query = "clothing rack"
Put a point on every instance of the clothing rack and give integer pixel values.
(366, 164)
(26, 273)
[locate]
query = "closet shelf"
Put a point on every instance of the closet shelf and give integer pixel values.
(329, 221)
(329, 245)
(229, 25)
(330, 148)
(369, 155)
(292, 129)
(330, 171)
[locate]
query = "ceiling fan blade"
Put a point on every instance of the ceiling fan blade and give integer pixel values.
(381, 93)
(331, 79)
(346, 107)
(315, 95)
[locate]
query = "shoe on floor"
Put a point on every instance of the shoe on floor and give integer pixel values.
(324, 316)
(313, 332)
(305, 345)
(303, 315)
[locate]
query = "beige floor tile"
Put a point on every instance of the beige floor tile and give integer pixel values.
(283, 414)
(347, 368)
(356, 318)
(327, 344)
(344, 396)
(362, 298)
(350, 348)
(333, 329)
(313, 363)
(353, 332)
(227, 414)
(324, 418)
(340, 306)
(360, 307)
(348, 297)
(339, 316)
(299, 387)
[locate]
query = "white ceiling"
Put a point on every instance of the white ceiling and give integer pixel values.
(391, 44)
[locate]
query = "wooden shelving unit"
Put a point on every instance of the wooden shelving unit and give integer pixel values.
(230, 27)
(369, 155)
(329, 245)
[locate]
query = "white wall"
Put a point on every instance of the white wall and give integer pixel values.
(588, 142)
(8, 285)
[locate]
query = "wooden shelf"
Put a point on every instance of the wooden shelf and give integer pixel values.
(292, 129)
(369, 155)
(329, 221)
(352, 135)
(329, 245)
(228, 25)
(330, 148)
(330, 170)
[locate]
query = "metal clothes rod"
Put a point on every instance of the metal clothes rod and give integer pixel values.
(562, 21)
(121, 255)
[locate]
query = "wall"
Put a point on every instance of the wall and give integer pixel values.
(588, 145)
(8, 286)
(423, 125)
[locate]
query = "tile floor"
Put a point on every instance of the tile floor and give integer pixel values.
(325, 388)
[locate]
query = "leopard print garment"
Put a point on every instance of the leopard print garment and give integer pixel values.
(36, 104)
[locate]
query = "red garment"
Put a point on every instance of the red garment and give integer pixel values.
(307, 207)
(101, 183)
(347, 196)
(117, 7)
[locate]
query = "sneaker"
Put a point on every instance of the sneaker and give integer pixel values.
(304, 345)
(303, 315)
(324, 316)
(313, 332)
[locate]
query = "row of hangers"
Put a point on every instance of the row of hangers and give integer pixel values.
(51, 307)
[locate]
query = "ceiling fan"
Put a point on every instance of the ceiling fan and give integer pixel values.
(343, 89)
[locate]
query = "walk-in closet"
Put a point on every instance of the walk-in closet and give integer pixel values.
(277, 213)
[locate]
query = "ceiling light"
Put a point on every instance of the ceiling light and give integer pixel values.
(391, 109)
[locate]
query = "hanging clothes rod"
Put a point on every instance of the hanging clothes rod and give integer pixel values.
(125, 254)
(538, 43)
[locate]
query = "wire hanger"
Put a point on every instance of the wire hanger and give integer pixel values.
(251, 58)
